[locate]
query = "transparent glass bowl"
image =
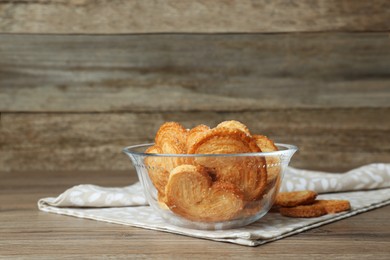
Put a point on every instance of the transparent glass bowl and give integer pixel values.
(226, 191)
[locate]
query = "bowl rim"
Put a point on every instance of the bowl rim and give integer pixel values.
(288, 148)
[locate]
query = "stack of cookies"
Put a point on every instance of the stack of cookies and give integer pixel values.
(212, 188)
(229, 185)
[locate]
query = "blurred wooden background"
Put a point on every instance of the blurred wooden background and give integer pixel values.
(81, 79)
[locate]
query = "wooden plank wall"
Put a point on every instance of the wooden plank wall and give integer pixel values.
(74, 90)
(192, 16)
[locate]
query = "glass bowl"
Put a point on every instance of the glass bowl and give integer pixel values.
(210, 191)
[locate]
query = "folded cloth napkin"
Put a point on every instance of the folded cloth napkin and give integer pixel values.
(366, 188)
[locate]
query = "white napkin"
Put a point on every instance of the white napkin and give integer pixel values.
(368, 186)
(372, 176)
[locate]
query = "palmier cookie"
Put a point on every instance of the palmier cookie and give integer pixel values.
(273, 162)
(195, 133)
(171, 137)
(335, 206)
(305, 211)
(316, 209)
(191, 194)
(266, 144)
(157, 169)
(248, 173)
(171, 132)
(233, 124)
(295, 198)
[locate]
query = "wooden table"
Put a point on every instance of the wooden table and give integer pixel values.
(26, 232)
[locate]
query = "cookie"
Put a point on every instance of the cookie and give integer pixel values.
(157, 169)
(316, 209)
(248, 173)
(195, 133)
(305, 211)
(335, 206)
(273, 162)
(192, 194)
(233, 124)
(295, 198)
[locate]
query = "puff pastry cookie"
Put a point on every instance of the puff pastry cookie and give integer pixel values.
(233, 124)
(303, 204)
(157, 169)
(246, 173)
(195, 134)
(171, 138)
(211, 189)
(192, 194)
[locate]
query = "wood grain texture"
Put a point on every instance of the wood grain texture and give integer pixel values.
(328, 139)
(27, 233)
(242, 72)
(73, 102)
(194, 16)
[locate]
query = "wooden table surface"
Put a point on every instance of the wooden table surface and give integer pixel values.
(26, 232)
